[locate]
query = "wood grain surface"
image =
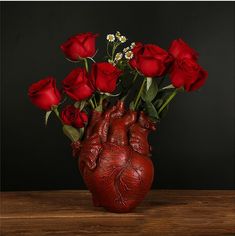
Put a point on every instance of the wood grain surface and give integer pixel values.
(164, 212)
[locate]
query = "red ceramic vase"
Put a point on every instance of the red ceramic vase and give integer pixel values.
(114, 158)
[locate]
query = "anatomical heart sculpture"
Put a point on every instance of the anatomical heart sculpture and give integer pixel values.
(109, 136)
(114, 158)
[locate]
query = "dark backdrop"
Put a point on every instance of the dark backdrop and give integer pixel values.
(194, 144)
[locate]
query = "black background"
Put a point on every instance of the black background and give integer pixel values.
(194, 144)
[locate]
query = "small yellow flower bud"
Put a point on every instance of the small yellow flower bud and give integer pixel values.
(132, 45)
(118, 34)
(122, 39)
(118, 56)
(126, 49)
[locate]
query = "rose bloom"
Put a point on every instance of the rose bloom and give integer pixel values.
(188, 74)
(150, 60)
(44, 93)
(77, 84)
(180, 50)
(71, 115)
(80, 46)
(104, 76)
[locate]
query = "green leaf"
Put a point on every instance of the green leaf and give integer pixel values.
(164, 94)
(82, 130)
(82, 105)
(122, 65)
(158, 103)
(77, 104)
(168, 87)
(71, 132)
(164, 112)
(47, 116)
(99, 108)
(149, 94)
(151, 111)
(132, 106)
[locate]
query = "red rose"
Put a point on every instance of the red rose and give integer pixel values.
(73, 116)
(188, 74)
(180, 50)
(104, 76)
(80, 46)
(44, 93)
(77, 85)
(150, 60)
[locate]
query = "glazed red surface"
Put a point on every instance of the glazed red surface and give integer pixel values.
(114, 158)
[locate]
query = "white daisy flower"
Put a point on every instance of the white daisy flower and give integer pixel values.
(118, 56)
(110, 37)
(129, 55)
(126, 49)
(122, 39)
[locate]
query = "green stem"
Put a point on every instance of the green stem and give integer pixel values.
(138, 104)
(107, 48)
(101, 100)
(114, 49)
(92, 104)
(95, 101)
(128, 90)
(135, 77)
(86, 64)
(139, 94)
(167, 101)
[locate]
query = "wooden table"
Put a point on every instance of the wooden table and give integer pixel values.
(164, 212)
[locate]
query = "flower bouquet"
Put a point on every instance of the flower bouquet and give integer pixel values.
(108, 108)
